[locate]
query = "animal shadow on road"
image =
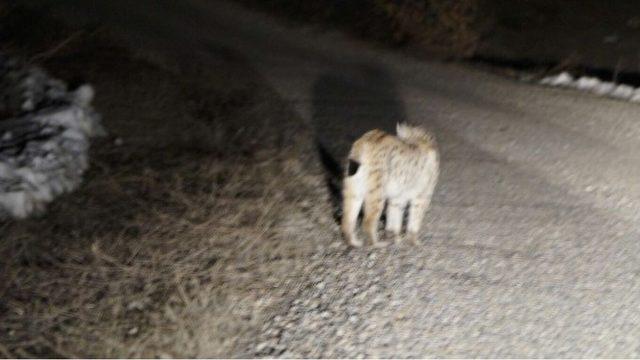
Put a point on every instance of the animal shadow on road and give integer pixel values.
(347, 102)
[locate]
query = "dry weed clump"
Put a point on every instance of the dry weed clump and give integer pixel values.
(443, 26)
(189, 275)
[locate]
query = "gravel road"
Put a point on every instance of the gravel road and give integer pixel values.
(530, 248)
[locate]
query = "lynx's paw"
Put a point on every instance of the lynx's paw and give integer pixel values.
(354, 241)
(392, 237)
(413, 238)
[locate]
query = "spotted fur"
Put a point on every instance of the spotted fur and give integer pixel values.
(401, 170)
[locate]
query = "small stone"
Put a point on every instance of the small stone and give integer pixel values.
(135, 305)
(18, 311)
(262, 346)
(289, 325)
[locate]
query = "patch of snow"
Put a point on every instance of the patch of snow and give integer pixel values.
(83, 95)
(562, 79)
(622, 92)
(586, 83)
(593, 85)
(636, 95)
(44, 144)
(603, 88)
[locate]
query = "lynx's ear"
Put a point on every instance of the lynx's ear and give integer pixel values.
(352, 167)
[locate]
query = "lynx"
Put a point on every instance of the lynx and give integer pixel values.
(401, 170)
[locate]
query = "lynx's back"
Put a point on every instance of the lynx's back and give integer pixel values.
(400, 169)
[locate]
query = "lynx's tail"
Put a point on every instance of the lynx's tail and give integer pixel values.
(415, 135)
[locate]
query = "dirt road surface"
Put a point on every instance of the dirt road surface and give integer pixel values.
(531, 246)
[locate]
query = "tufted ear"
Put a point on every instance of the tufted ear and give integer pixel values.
(352, 167)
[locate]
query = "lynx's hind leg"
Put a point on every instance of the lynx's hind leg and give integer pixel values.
(373, 206)
(417, 210)
(353, 191)
(395, 210)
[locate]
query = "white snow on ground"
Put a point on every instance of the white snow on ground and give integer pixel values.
(45, 141)
(593, 85)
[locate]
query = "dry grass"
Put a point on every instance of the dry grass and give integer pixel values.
(446, 27)
(442, 28)
(182, 239)
(188, 273)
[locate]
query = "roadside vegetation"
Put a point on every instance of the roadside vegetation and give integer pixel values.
(192, 218)
(441, 28)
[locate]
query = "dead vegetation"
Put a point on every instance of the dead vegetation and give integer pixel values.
(188, 227)
(449, 28)
(442, 28)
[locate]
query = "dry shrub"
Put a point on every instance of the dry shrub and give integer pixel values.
(449, 28)
(445, 27)
(190, 273)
